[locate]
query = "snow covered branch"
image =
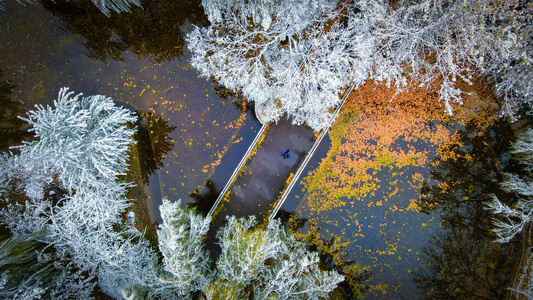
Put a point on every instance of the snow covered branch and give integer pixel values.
(290, 57)
(440, 41)
(293, 58)
(271, 261)
(64, 187)
(85, 138)
(186, 263)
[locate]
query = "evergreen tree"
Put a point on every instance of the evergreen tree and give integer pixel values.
(63, 188)
(266, 263)
(186, 267)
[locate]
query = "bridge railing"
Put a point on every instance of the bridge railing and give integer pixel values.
(237, 169)
(302, 166)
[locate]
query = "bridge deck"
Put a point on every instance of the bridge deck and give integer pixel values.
(265, 174)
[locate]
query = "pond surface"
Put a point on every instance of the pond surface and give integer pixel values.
(400, 189)
(198, 133)
(379, 232)
(39, 55)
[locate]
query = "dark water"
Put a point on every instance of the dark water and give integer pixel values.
(138, 59)
(205, 197)
(446, 250)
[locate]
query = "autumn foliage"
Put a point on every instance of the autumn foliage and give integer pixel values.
(383, 146)
(378, 130)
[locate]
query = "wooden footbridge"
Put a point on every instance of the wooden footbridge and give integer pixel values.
(263, 179)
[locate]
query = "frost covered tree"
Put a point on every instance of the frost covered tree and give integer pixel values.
(255, 262)
(84, 138)
(270, 261)
(513, 219)
(63, 188)
(438, 42)
(266, 263)
(88, 229)
(186, 266)
(83, 231)
(117, 6)
(27, 271)
(289, 57)
(294, 58)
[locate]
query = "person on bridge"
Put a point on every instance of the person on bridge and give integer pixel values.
(286, 154)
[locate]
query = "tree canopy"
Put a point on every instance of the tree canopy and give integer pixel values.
(298, 65)
(289, 57)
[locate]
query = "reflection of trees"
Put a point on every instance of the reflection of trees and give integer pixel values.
(153, 142)
(289, 220)
(10, 109)
(10, 124)
(152, 30)
(466, 174)
(463, 262)
(239, 101)
(205, 199)
(331, 252)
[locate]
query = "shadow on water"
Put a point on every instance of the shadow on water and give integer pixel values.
(332, 256)
(467, 177)
(152, 144)
(152, 30)
(289, 220)
(236, 99)
(204, 199)
(463, 261)
(12, 129)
